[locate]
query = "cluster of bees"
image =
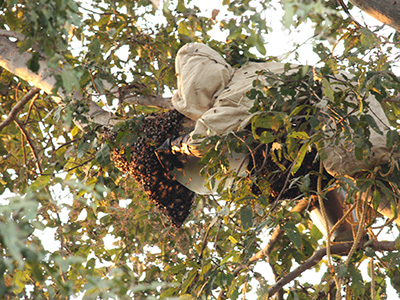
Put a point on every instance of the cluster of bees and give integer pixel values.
(172, 199)
(175, 200)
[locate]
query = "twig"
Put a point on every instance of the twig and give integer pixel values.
(340, 249)
(266, 155)
(325, 218)
(17, 108)
(342, 219)
(395, 99)
(275, 236)
(68, 143)
(79, 165)
(284, 186)
(31, 144)
(346, 10)
(24, 154)
(30, 109)
(248, 147)
(356, 242)
(373, 292)
(204, 242)
(360, 230)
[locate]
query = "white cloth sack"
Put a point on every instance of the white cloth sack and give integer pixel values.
(213, 94)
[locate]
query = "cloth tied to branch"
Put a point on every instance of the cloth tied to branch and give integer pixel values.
(213, 94)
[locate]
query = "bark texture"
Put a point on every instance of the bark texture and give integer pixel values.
(386, 11)
(16, 62)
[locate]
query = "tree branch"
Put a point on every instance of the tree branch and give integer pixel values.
(13, 34)
(340, 249)
(154, 101)
(16, 63)
(16, 109)
(275, 236)
(132, 94)
(31, 144)
(384, 11)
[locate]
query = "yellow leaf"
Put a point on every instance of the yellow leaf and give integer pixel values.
(233, 240)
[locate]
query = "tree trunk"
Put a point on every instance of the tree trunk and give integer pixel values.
(386, 11)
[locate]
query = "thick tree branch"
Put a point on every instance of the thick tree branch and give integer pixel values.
(15, 110)
(385, 11)
(131, 94)
(149, 101)
(341, 249)
(13, 34)
(16, 63)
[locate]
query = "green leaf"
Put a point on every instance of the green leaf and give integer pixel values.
(376, 199)
(183, 29)
(395, 280)
(259, 43)
(190, 277)
(293, 234)
(357, 285)
(371, 122)
(33, 63)
(367, 37)
(392, 137)
(40, 183)
(227, 257)
(266, 137)
(301, 135)
(300, 157)
(83, 148)
(70, 81)
(103, 155)
(95, 46)
(98, 85)
(181, 6)
(328, 92)
(397, 242)
(175, 269)
(246, 217)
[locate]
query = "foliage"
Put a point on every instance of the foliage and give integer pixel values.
(72, 225)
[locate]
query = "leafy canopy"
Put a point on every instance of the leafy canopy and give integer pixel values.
(63, 200)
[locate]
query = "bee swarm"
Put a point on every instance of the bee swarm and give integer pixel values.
(172, 199)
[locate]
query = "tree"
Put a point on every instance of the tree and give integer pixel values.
(73, 74)
(385, 11)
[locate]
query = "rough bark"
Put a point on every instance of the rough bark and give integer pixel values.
(16, 109)
(385, 11)
(341, 249)
(16, 62)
